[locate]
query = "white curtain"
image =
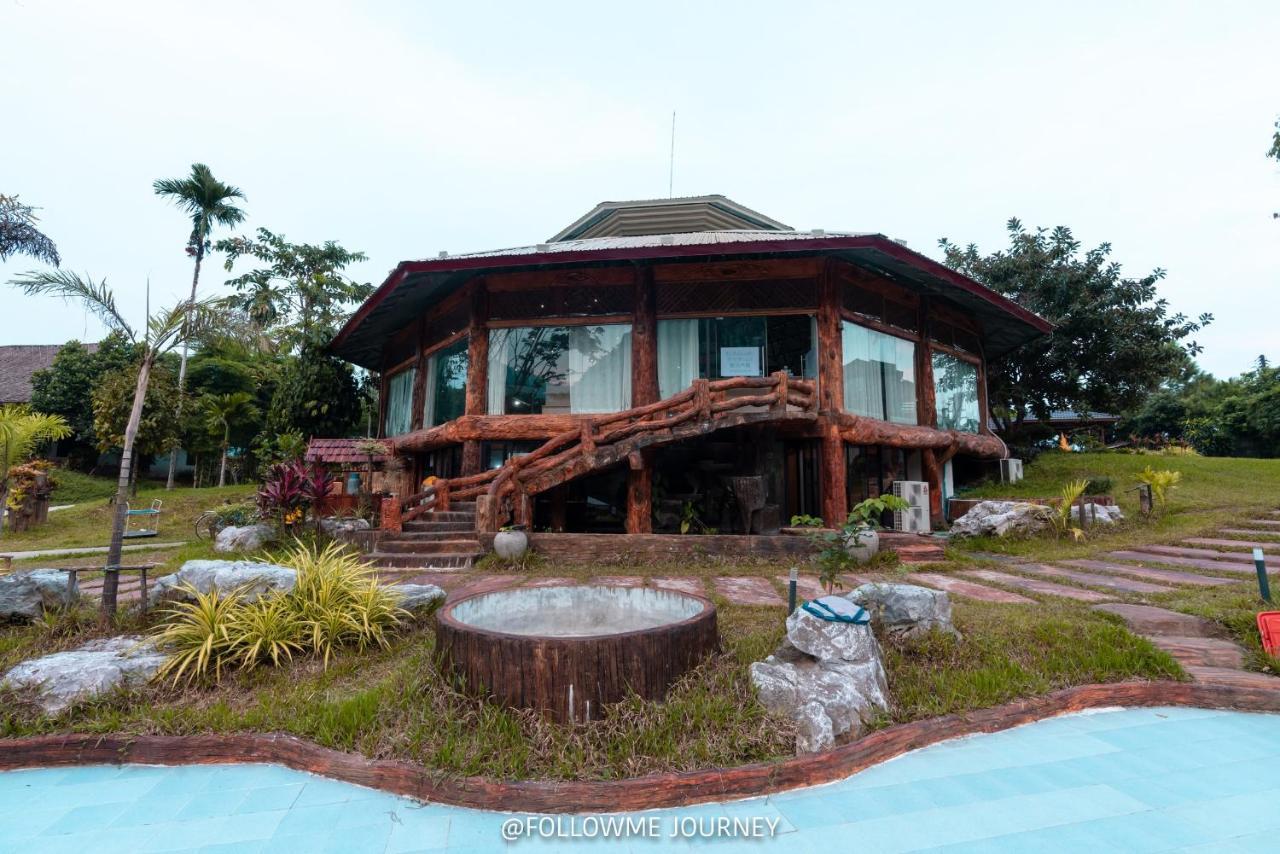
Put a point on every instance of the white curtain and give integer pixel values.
(599, 368)
(501, 348)
(429, 396)
(862, 375)
(899, 364)
(677, 355)
(400, 403)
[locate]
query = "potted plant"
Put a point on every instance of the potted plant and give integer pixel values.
(860, 531)
(511, 542)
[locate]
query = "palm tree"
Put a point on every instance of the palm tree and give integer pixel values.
(220, 412)
(21, 432)
(163, 330)
(208, 202)
(19, 235)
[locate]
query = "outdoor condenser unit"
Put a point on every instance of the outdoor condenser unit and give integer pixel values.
(916, 518)
(1010, 471)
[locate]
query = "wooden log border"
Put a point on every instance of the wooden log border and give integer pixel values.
(649, 792)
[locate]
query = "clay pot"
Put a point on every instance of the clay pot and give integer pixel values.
(510, 545)
(863, 544)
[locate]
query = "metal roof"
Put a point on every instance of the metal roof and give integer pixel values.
(415, 285)
(667, 216)
(339, 451)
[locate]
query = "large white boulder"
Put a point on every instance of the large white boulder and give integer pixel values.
(905, 610)
(26, 595)
(64, 678)
(244, 539)
(828, 677)
(1003, 519)
(253, 580)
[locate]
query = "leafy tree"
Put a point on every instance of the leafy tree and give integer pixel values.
(208, 202)
(21, 432)
(163, 330)
(317, 396)
(1114, 341)
(222, 412)
(19, 235)
(66, 387)
(301, 295)
(157, 429)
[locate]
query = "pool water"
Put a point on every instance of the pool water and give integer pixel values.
(1166, 779)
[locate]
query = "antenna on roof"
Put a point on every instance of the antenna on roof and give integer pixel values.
(671, 167)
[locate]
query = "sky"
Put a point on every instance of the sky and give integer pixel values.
(404, 129)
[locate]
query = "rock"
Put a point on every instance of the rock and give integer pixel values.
(1103, 514)
(1002, 519)
(26, 595)
(827, 641)
(335, 525)
(64, 678)
(828, 677)
(418, 599)
(249, 538)
(905, 610)
(255, 579)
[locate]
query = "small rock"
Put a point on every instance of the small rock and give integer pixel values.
(248, 538)
(418, 599)
(64, 678)
(255, 579)
(1003, 519)
(905, 610)
(827, 641)
(1103, 514)
(335, 525)
(26, 595)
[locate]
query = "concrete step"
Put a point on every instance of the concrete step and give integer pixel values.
(1200, 651)
(418, 527)
(1150, 620)
(429, 536)
(445, 559)
(429, 547)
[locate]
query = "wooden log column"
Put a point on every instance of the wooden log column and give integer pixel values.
(927, 403)
(644, 340)
(835, 499)
(639, 494)
(477, 400)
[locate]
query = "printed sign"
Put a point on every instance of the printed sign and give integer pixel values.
(740, 362)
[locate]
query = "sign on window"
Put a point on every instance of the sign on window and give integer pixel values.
(740, 362)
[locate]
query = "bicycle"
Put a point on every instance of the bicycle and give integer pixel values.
(210, 523)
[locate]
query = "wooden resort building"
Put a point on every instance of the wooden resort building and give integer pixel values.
(681, 365)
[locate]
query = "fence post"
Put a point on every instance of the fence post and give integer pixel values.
(1260, 564)
(780, 405)
(702, 398)
(791, 590)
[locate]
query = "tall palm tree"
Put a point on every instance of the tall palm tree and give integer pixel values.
(19, 235)
(162, 331)
(21, 431)
(220, 412)
(208, 202)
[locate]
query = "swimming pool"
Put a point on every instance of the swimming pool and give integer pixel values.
(1161, 779)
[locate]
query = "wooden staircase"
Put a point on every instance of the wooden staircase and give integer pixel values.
(445, 540)
(505, 494)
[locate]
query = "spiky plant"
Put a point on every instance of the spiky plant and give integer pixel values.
(197, 634)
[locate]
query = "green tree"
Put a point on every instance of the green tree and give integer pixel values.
(21, 432)
(162, 331)
(208, 202)
(317, 396)
(222, 412)
(301, 294)
(1114, 341)
(113, 403)
(19, 235)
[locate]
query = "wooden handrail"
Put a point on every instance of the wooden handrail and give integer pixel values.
(704, 401)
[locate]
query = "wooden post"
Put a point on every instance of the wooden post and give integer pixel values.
(780, 405)
(485, 522)
(926, 396)
(477, 399)
(835, 499)
(644, 340)
(702, 398)
(391, 515)
(639, 495)
(933, 475)
(830, 345)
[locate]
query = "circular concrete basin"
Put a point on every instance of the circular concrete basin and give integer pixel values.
(569, 650)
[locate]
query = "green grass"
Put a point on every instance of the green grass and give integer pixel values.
(73, 487)
(89, 523)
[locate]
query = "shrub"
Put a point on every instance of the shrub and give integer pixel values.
(1099, 486)
(1071, 493)
(290, 490)
(1161, 482)
(199, 636)
(806, 521)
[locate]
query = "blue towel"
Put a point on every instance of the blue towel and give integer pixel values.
(836, 609)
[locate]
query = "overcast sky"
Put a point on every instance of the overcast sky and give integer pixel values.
(404, 129)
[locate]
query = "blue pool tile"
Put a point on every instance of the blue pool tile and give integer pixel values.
(84, 819)
(269, 799)
(301, 820)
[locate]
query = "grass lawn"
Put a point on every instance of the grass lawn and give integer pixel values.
(393, 703)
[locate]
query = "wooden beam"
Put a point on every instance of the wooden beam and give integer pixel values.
(640, 500)
(830, 346)
(644, 340)
(745, 270)
(835, 498)
(933, 476)
(926, 395)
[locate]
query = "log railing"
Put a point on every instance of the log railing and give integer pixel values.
(506, 493)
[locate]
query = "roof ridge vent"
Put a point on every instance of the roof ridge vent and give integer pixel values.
(667, 239)
(442, 254)
(544, 247)
(818, 232)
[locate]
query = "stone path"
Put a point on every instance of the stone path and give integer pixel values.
(1036, 585)
(1107, 582)
(1170, 575)
(1253, 532)
(681, 584)
(1198, 563)
(87, 550)
(747, 590)
(1229, 543)
(1186, 551)
(969, 589)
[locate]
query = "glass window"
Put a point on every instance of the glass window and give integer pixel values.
(560, 369)
(400, 403)
(955, 384)
(446, 384)
(879, 374)
(718, 347)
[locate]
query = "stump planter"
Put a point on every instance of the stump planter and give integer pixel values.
(569, 650)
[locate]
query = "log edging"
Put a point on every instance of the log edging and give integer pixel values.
(649, 792)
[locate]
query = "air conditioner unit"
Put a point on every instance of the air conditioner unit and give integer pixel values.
(1010, 471)
(915, 519)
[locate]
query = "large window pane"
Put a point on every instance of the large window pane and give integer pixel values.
(719, 347)
(560, 369)
(879, 374)
(955, 384)
(446, 384)
(400, 403)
